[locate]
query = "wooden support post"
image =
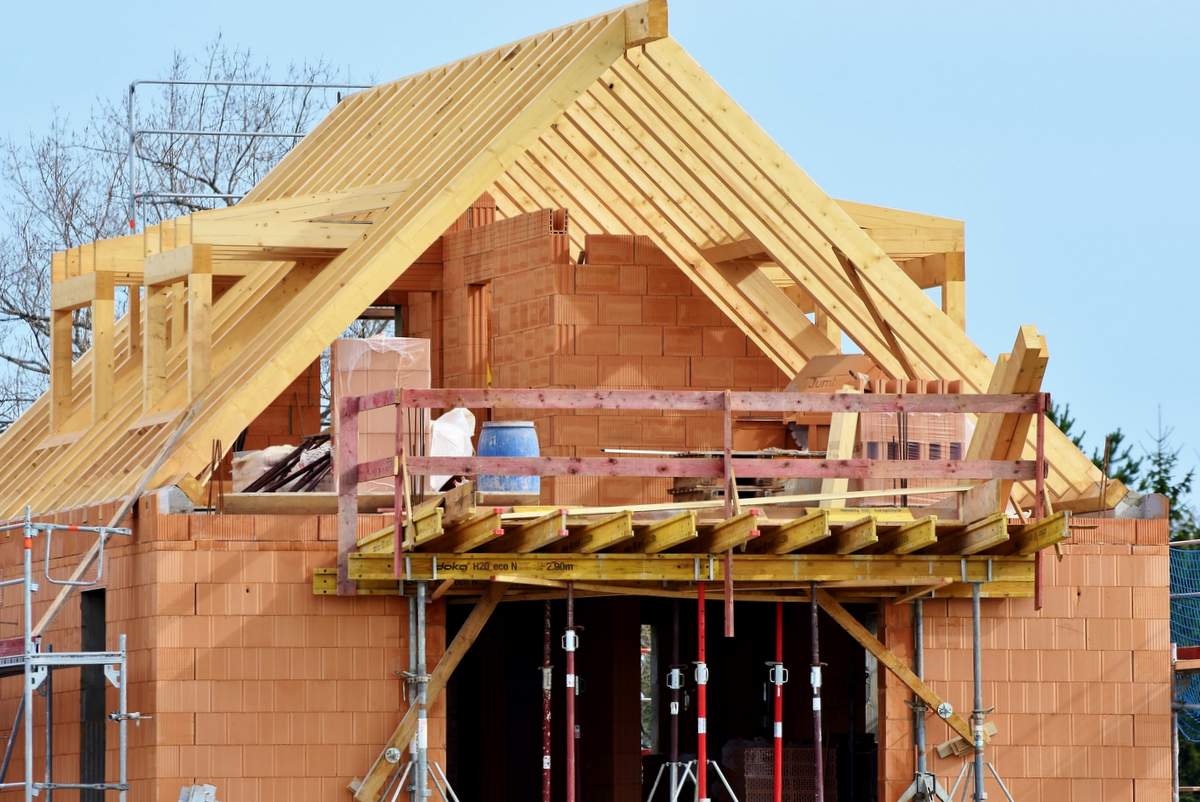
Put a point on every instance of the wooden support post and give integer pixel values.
(134, 317)
(103, 360)
(61, 357)
(199, 315)
(368, 789)
(954, 288)
(843, 426)
(346, 464)
(178, 296)
(826, 325)
(889, 660)
(154, 348)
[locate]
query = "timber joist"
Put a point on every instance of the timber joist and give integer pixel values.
(880, 552)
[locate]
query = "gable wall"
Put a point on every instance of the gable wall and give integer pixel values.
(626, 318)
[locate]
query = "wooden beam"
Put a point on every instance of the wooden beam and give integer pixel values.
(199, 312)
(645, 22)
(954, 289)
(279, 235)
(974, 537)
(369, 787)
(681, 567)
(597, 535)
(907, 538)
(176, 264)
(856, 536)
(1032, 537)
(734, 249)
(889, 660)
(532, 535)
(103, 357)
(790, 536)
(75, 292)
(657, 536)
(468, 534)
(154, 348)
(720, 536)
(843, 429)
(62, 324)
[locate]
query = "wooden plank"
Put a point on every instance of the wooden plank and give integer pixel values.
(707, 467)
(704, 400)
(889, 660)
(682, 567)
(369, 787)
(792, 535)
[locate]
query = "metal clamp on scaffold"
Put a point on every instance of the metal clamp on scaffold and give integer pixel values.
(776, 673)
(675, 678)
(701, 673)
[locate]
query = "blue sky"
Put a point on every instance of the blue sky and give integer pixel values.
(1064, 134)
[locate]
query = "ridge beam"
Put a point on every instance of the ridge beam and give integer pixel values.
(645, 22)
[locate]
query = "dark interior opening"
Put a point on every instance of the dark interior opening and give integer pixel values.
(92, 715)
(494, 702)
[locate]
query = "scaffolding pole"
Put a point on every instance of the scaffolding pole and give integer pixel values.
(570, 642)
(701, 701)
(422, 701)
(977, 670)
(547, 698)
(778, 678)
(815, 681)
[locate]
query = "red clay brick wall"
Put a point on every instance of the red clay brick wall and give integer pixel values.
(627, 318)
(255, 685)
(291, 416)
(1082, 688)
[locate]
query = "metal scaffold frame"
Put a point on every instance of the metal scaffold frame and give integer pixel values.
(36, 665)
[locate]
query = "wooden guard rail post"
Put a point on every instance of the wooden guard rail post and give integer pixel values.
(725, 403)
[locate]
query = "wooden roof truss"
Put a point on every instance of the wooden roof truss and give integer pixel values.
(608, 117)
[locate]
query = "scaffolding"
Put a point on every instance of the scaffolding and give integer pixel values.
(137, 198)
(24, 656)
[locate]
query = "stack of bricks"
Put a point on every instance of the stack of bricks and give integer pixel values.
(625, 319)
(1081, 688)
(254, 684)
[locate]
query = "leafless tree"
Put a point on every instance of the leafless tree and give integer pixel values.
(69, 184)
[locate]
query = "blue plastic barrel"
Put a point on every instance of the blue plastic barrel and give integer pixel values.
(510, 438)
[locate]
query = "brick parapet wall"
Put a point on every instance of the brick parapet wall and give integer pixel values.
(1081, 688)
